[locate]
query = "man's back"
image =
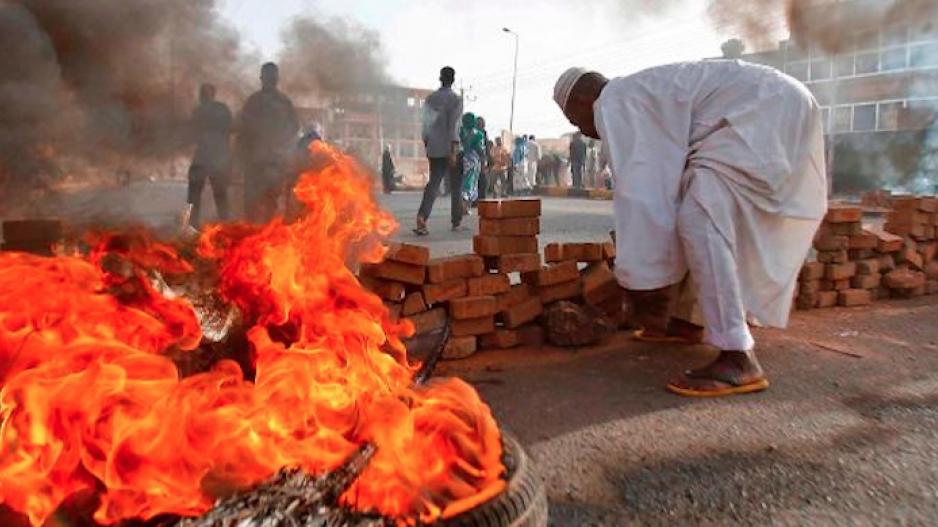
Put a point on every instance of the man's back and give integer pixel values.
(268, 126)
(442, 112)
(211, 122)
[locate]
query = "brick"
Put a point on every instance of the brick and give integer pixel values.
(523, 313)
(916, 230)
(393, 291)
(500, 339)
(396, 271)
(840, 271)
(465, 266)
(806, 301)
(499, 245)
(931, 270)
(837, 213)
(472, 307)
(459, 348)
(491, 284)
(37, 248)
(599, 284)
(867, 267)
(828, 242)
(883, 292)
(446, 291)
(912, 258)
(886, 263)
(531, 335)
(904, 279)
(473, 326)
(827, 299)
(514, 263)
(609, 251)
(413, 304)
(510, 227)
(517, 294)
(553, 274)
(844, 229)
(860, 254)
(810, 287)
(429, 321)
(928, 250)
(928, 204)
(854, 297)
(933, 219)
(906, 216)
(832, 257)
(512, 208)
(835, 285)
(888, 242)
(22, 232)
(578, 252)
(408, 253)
(394, 311)
(867, 240)
(812, 271)
(564, 291)
(869, 281)
(826, 285)
(904, 203)
(931, 287)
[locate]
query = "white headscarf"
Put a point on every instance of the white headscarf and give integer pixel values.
(565, 85)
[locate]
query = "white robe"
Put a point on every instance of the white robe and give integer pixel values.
(758, 130)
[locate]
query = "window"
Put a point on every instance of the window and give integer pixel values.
(820, 69)
(843, 66)
(411, 102)
(893, 59)
(924, 55)
(895, 36)
(864, 117)
(798, 70)
(867, 63)
(868, 40)
(796, 52)
(842, 117)
(889, 115)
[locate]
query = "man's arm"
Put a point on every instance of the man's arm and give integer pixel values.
(455, 117)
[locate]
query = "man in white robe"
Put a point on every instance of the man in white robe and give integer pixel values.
(719, 186)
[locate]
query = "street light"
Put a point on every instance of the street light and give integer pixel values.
(514, 81)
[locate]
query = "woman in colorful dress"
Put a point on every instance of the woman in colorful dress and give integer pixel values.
(473, 152)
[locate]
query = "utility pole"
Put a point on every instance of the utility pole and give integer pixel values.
(514, 81)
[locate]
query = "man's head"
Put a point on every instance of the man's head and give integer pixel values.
(480, 123)
(498, 141)
(531, 137)
(270, 76)
(447, 76)
(575, 92)
(206, 93)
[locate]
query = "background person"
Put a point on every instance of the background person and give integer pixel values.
(211, 126)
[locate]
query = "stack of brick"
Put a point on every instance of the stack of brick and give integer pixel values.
(508, 244)
(597, 285)
(915, 219)
(399, 280)
(846, 272)
(32, 236)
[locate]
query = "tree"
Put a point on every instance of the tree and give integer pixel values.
(733, 48)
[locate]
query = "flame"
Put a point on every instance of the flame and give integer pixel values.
(91, 401)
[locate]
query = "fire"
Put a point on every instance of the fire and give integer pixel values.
(92, 402)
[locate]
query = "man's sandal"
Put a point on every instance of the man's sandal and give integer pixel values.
(641, 336)
(716, 381)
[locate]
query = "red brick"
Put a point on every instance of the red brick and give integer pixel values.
(22, 232)
(843, 229)
(812, 271)
(531, 335)
(854, 297)
(928, 250)
(886, 263)
(904, 279)
(407, 253)
(832, 257)
(465, 266)
(837, 213)
(887, 242)
(835, 285)
(553, 274)
(446, 291)
(827, 299)
(394, 311)
(931, 270)
(459, 348)
(500, 339)
(514, 263)
(473, 326)
(904, 203)
(510, 227)
(860, 254)
(906, 216)
(564, 291)
(429, 321)
(512, 208)
(599, 284)
(491, 284)
(501, 245)
(517, 294)
(869, 281)
(931, 287)
(397, 271)
(472, 307)
(828, 242)
(867, 240)
(929, 204)
(609, 251)
(523, 313)
(840, 271)
(810, 287)
(578, 252)
(385, 290)
(869, 266)
(413, 304)
(916, 230)
(806, 301)
(912, 258)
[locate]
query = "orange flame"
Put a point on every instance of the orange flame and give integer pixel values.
(91, 401)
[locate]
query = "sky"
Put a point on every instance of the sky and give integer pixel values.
(616, 37)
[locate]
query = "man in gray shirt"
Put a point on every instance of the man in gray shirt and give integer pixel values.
(442, 112)
(211, 128)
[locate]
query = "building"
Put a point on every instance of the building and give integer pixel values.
(879, 93)
(363, 122)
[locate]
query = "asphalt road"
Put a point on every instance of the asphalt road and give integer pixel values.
(847, 435)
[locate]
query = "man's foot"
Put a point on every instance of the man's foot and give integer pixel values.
(458, 227)
(732, 373)
(421, 228)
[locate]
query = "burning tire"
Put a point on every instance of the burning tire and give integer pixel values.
(522, 504)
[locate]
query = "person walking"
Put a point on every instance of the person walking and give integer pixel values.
(387, 169)
(532, 156)
(472, 142)
(498, 174)
(486, 159)
(442, 111)
(518, 167)
(577, 159)
(211, 126)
